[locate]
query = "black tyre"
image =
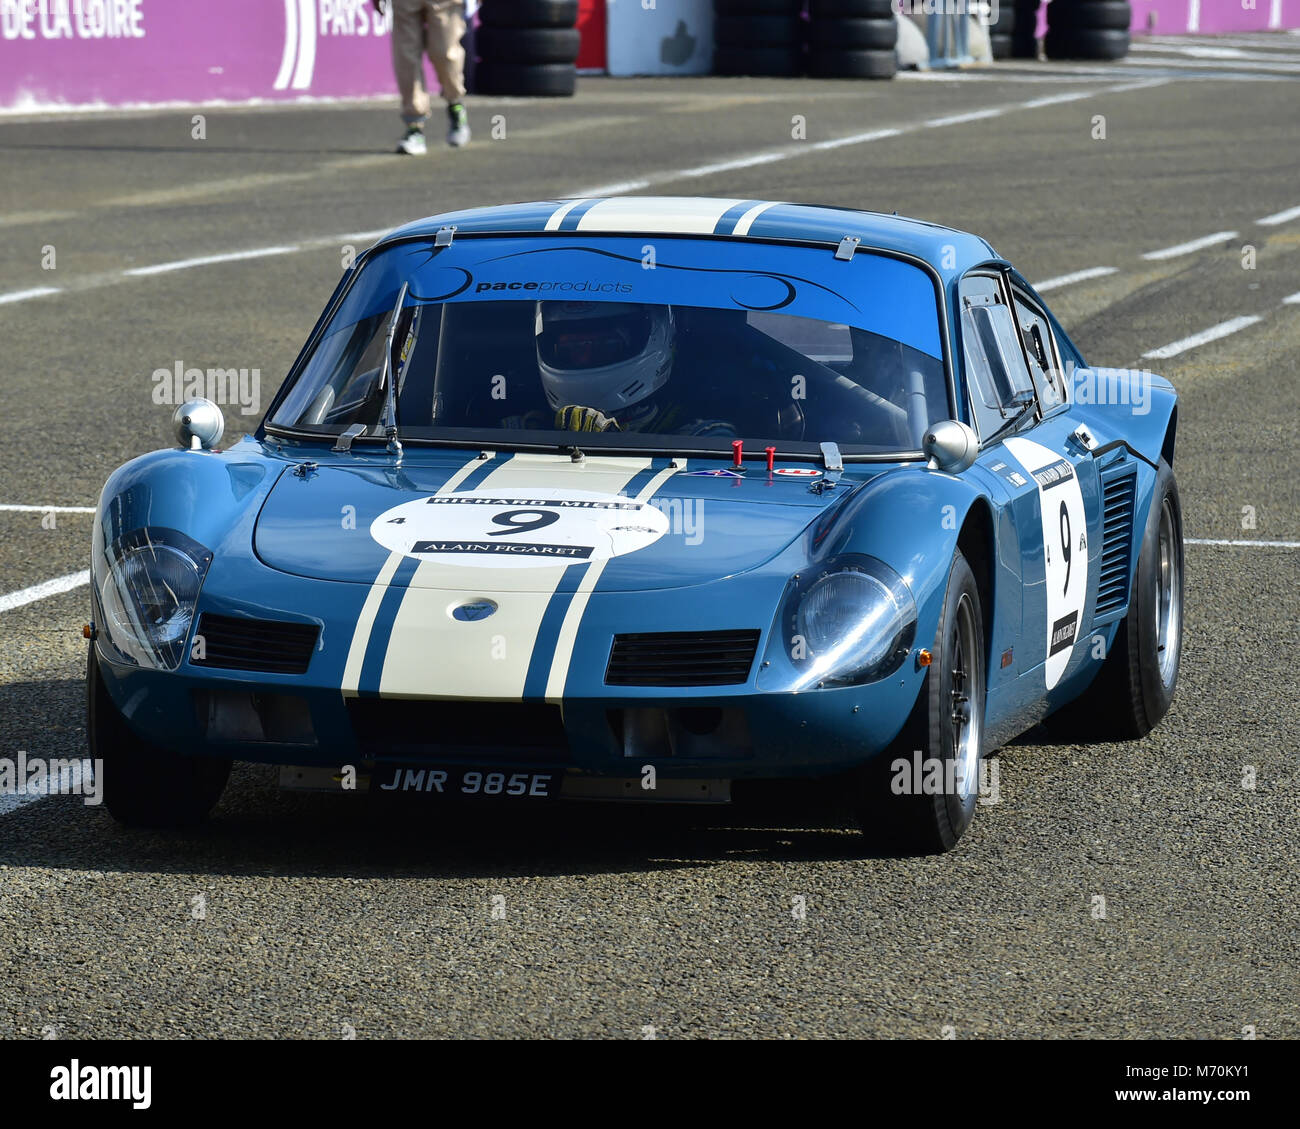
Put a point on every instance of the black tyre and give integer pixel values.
(861, 34)
(1085, 43)
(145, 786)
(756, 61)
(542, 80)
(528, 44)
(1005, 24)
(1136, 683)
(529, 13)
(757, 7)
(1024, 44)
(1115, 15)
(757, 31)
(850, 9)
(853, 64)
(895, 808)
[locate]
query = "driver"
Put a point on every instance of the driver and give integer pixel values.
(605, 367)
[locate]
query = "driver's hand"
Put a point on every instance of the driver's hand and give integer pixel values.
(574, 417)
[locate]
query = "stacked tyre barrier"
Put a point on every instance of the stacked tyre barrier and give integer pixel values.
(1088, 29)
(852, 39)
(528, 47)
(1024, 25)
(758, 37)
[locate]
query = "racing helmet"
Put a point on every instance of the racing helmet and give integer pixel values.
(604, 355)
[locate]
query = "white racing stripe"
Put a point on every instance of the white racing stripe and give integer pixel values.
(43, 591)
(1070, 279)
(370, 609)
(431, 654)
(747, 220)
(1190, 246)
(676, 214)
(1223, 329)
(573, 616)
(553, 224)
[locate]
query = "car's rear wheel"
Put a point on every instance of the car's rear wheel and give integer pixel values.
(144, 786)
(1136, 683)
(921, 794)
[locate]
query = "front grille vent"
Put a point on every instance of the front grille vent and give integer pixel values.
(264, 645)
(682, 658)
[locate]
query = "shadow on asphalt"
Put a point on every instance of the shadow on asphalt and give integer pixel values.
(258, 829)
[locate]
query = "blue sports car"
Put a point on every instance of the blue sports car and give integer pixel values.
(639, 498)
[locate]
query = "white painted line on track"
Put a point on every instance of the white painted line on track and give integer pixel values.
(1223, 329)
(1292, 299)
(55, 587)
(23, 295)
(15, 509)
(1193, 245)
(969, 116)
(1280, 217)
(1077, 276)
(208, 260)
(1243, 544)
(773, 155)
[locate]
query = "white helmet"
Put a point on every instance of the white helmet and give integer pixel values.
(603, 355)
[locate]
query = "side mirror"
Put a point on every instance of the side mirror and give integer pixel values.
(950, 445)
(199, 424)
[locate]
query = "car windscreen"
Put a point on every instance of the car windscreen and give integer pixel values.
(675, 345)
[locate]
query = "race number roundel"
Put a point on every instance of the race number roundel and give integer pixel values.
(1065, 548)
(509, 528)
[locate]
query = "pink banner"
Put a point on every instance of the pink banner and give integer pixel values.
(123, 52)
(1213, 17)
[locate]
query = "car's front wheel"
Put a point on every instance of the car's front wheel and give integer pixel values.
(921, 794)
(144, 786)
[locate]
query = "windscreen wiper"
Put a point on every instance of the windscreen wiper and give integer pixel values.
(387, 384)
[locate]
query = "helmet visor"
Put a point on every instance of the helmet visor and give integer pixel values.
(595, 341)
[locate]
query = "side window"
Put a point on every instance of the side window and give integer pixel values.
(999, 384)
(1044, 367)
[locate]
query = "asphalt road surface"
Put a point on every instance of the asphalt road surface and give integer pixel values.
(1135, 890)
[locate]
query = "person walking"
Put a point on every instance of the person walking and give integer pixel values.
(435, 27)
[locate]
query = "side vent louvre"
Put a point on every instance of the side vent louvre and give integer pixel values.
(1118, 496)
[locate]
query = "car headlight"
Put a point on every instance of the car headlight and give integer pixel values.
(147, 583)
(852, 621)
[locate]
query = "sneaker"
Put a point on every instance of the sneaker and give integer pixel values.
(458, 130)
(413, 144)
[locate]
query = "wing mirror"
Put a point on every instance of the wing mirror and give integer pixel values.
(950, 445)
(199, 424)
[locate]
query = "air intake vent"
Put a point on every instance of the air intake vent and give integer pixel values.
(1116, 543)
(264, 645)
(682, 658)
(523, 732)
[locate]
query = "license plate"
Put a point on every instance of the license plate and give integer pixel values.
(458, 780)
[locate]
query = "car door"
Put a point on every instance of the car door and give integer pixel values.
(1019, 406)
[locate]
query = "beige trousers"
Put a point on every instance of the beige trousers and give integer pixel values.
(435, 26)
